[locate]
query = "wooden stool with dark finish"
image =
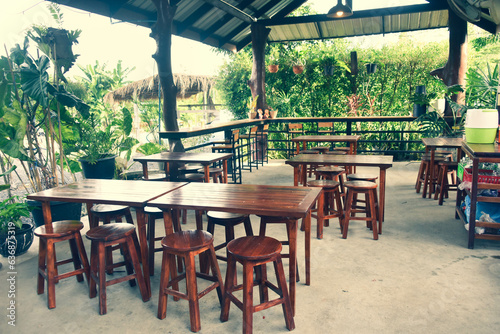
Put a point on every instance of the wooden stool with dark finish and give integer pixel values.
(329, 204)
(47, 264)
(215, 173)
(229, 221)
(290, 232)
(187, 244)
(108, 235)
(446, 169)
(369, 189)
(107, 213)
(424, 171)
(245, 251)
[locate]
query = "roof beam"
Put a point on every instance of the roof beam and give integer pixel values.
(230, 9)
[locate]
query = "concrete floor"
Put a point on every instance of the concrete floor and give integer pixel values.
(419, 277)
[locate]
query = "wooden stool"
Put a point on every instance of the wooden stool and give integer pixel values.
(187, 244)
(243, 250)
(336, 152)
(229, 221)
(264, 220)
(320, 149)
(215, 173)
(362, 177)
(194, 177)
(332, 173)
(47, 263)
(107, 213)
(329, 204)
(190, 168)
(109, 235)
(369, 189)
(446, 169)
(423, 176)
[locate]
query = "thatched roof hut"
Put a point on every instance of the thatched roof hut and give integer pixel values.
(147, 89)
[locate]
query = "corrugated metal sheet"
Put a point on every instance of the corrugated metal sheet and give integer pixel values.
(202, 21)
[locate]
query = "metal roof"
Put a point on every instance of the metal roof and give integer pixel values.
(226, 23)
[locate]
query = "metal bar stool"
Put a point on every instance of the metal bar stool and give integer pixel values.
(250, 154)
(47, 263)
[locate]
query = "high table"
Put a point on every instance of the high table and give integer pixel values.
(293, 202)
(431, 144)
(383, 162)
(352, 140)
(206, 159)
(120, 192)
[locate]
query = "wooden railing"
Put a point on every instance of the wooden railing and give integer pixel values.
(395, 135)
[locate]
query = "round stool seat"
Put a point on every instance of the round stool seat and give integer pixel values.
(320, 148)
(309, 152)
(186, 241)
(59, 229)
(361, 177)
(360, 185)
(344, 149)
(190, 168)
(226, 216)
(152, 210)
(194, 177)
(329, 169)
(110, 232)
(211, 170)
(155, 178)
(336, 152)
(108, 208)
(328, 184)
(254, 248)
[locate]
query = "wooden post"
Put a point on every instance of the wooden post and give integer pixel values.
(257, 82)
(454, 71)
(354, 71)
(162, 33)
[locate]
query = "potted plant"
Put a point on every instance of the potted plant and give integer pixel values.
(272, 60)
(252, 104)
(16, 236)
(298, 60)
(421, 100)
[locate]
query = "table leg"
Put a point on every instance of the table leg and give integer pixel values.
(224, 169)
(307, 236)
(47, 214)
(292, 263)
(296, 171)
(145, 170)
(304, 145)
(297, 150)
(431, 172)
(304, 175)
(382, 195)
(143, 241)
(207, 173)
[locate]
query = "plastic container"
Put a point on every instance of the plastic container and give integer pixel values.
(481, 126)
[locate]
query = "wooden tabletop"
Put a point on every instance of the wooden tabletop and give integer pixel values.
(185, 157)
(381, 161)
(241, 198)
(443, 142)
(482, 150)
(122, 192)
(326, 138)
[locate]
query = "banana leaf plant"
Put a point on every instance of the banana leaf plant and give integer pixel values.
(34, 116)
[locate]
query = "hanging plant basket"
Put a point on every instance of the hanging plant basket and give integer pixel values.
(328, 70)
(298, 69)
(371, 68)
(273, 68)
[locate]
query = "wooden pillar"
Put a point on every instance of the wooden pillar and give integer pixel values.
(354, 71)
(162, 33)
(257, 81)
(453, 72)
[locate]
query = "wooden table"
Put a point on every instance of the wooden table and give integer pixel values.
(352, 140)
(383, 162)
(431, 144)
(293, 202)
(205, 159)
(120, 192)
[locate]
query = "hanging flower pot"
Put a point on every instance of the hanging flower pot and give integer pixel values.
(328, 70)
(298, 69)
(371, 68)
(273, 68)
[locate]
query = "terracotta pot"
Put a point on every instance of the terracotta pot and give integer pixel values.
(252, 114)
(298, 69)
(273, 68)
(273, 113)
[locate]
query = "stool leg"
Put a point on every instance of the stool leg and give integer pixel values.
(76, 258)
(228, 287)
(83, 255)
(151, 244)
(102, 278)
(286, 305)
(162, 300)
(128, 263)
(42, 256)
(51, 273)
(248, 226)
(247, 298)
(347, 214)
(93, 269)
(320, 214)
(216, 272)
(192, 292)
(373, 214)
(340, 210)
(137, 268)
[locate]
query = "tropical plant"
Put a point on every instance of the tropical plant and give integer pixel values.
(482, 87)
(12, 209)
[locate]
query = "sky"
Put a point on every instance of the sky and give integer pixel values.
(109, 41)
